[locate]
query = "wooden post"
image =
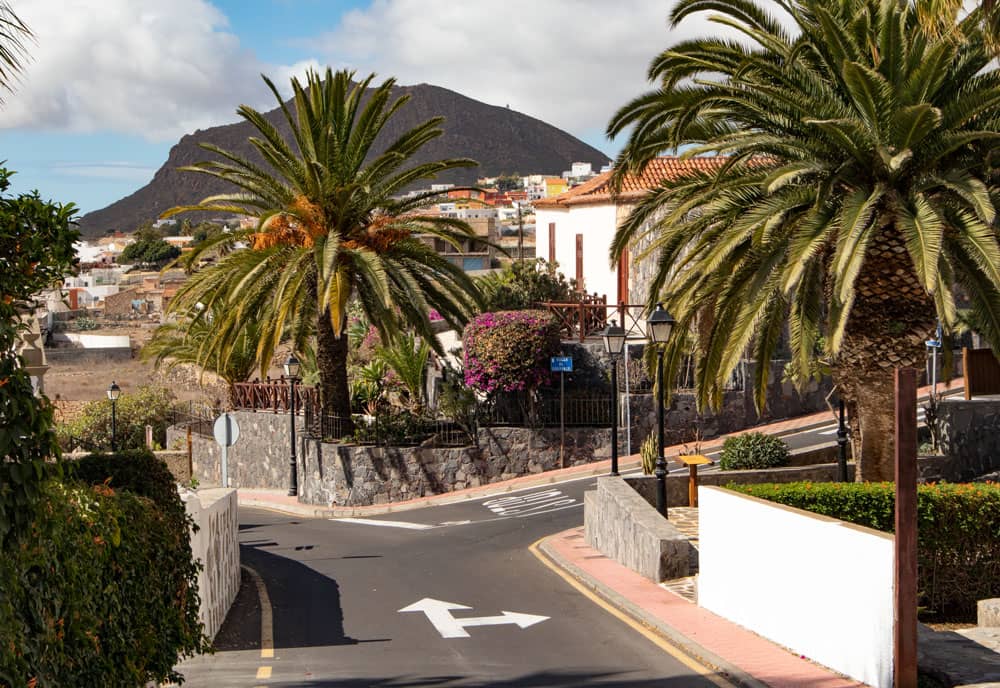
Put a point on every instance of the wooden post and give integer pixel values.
(190, 454)
(905, 616)
(552, 242)
(149, 437)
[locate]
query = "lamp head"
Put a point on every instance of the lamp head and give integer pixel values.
(114, 391)
(614, 339)
(660, 324)
(292, 366)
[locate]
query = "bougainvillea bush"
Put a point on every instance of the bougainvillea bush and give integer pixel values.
(508, 351)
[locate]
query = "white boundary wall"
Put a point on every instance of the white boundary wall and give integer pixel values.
(216, 545)
(820, 587)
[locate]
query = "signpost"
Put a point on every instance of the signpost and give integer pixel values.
(226, 432)
(562, 365)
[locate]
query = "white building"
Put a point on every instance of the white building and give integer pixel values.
(576, 228)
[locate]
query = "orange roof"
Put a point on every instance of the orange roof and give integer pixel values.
(598, 190)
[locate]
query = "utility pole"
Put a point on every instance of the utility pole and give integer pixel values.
(520, 234)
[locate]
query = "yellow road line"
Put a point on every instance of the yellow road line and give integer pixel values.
(264, 672)
(645, 631)
(266, 616)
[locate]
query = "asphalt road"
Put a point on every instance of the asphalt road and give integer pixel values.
(334, 591)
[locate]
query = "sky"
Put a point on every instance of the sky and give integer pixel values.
(110, 86)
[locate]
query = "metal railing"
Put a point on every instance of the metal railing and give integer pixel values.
(387, 430)
(199, 417)
(591, 411)
(641, 381)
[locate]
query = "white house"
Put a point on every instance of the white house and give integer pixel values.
(576, 228)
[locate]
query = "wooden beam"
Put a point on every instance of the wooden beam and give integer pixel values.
(552, 242)
(905, 616)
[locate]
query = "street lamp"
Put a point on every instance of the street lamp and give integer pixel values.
(292, 373)
(114, 391)
(614, 342)
(659, 326)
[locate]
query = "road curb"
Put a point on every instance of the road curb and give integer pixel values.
(702, 655)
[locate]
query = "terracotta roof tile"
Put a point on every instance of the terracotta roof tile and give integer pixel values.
(634, 187)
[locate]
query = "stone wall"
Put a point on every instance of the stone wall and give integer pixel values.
(215, 543)
(353, 475)
(970, 438)
(619, 523)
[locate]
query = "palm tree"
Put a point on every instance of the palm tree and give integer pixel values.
(190, 340)
(856, 199)
(331, 228)
(13, 34)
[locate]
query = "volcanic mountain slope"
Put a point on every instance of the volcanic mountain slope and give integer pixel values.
(501, 140)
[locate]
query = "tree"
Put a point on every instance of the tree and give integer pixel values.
(149, 252)
(523, 284)
(36, 252)
(331, 225)
(856, 199)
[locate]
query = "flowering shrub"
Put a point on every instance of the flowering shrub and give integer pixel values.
(508, 351)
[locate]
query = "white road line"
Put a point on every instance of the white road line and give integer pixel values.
(387, 524)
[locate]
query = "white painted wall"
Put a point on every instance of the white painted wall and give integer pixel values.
(216, 545)
(821, 587)
(597, 223)
(98, 341)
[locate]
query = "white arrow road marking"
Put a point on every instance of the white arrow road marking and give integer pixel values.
(386, 524)
(439, 614)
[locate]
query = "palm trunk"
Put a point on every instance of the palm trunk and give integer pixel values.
(891, 318)
(331, 356)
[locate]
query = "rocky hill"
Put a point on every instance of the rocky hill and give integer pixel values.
(501, 140)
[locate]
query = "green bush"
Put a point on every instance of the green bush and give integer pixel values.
(958, 531)
(102, 591)
(752, 450)
(91, 429)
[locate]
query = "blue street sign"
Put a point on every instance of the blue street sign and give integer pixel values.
(933, 343)
(561, 364)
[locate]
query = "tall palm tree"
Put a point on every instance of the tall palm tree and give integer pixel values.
(858, 195)
(331, 227)
(13, 35)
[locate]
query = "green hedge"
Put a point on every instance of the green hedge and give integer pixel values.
(101, 590)
(752, 450)
(958, 530)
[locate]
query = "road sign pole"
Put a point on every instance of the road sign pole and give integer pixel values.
(562, 419)
(225, 465)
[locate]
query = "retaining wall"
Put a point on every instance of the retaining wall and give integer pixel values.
(619, 523)
(781, 573)
(216, 545)
(970, 438)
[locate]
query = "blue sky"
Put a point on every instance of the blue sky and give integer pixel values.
(105, 94)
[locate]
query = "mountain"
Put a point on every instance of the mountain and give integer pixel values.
(501, 140)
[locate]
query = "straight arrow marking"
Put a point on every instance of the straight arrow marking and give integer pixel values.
(438, 612)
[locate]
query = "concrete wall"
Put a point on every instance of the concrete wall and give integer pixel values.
(82, 356)
(216, 546)
(619, 523)
(791, 576)
(970, 438)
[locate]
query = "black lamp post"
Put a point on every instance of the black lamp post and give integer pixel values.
(292, 373)
(659, 326)
(114, 391)
(614, 342)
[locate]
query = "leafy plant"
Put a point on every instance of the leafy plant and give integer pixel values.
(91, 428)
(524, 284)
(153, 252)
(509, 351)
(650, 452)
(36, 252)
(753, 450)
(407, 358)
(957, 533)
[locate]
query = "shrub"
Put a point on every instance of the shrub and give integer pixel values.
(92, 427)
(509, 351)
(103, 590)
(958, 533)
(752, 450)
(523, 284)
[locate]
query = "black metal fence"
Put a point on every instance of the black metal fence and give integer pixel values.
(199, 417)
(390, 429)
(516, 411)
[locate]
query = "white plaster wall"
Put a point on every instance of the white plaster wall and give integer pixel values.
(821, 587)
(597, 223)
(216, 546)
(99, 341)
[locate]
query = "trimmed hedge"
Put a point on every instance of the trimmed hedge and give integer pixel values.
(753, 450)
(958, 531)
(102, 589)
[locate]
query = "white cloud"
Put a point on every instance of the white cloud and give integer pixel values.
(571, 63)
(147, 67)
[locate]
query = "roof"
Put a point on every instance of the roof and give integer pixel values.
(597, 191)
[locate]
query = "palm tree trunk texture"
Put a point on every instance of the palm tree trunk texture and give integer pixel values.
(331, 356)
(891, 319)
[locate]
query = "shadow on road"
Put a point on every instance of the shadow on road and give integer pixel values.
(305, 605)
(544, 679)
